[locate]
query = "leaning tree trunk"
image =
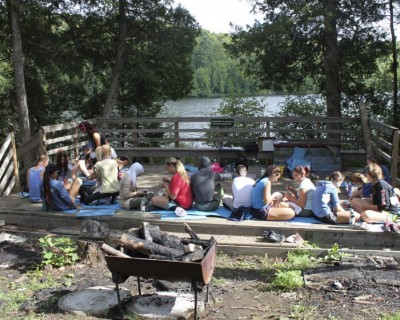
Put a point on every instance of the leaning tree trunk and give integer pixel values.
(332, 67)
(22, 104)
(396, 115)
(119, 62)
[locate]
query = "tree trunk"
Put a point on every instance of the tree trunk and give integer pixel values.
(332, 66)
(396, 115)
(22, 104)
(119, 62)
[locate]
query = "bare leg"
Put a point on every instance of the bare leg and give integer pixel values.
(160, 201)
(374, 216)
(360, 205)
(74, 190)
(280, 214)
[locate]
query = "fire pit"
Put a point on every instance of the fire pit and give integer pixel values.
(199, 274)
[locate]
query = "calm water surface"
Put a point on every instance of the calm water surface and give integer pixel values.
(205, 107)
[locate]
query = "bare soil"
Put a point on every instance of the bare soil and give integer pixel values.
(363, 288)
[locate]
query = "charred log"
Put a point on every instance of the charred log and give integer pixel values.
(191, 233)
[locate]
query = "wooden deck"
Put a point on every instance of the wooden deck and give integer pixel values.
(233, 237)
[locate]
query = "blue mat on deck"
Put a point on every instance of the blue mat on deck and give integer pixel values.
(95, 213)
(194, 214)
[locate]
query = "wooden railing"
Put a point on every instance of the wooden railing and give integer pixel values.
(152, 137)
(9, 174)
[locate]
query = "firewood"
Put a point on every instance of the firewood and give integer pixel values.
(161, 237)
(194, 256)
(148, 247)
(199, 242)
(158, 257)
(191, 247)
(113, 252)
(146, 231)
(192, 234)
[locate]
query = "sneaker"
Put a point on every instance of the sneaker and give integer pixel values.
(394, 228)
(361, 226)
(386, 227)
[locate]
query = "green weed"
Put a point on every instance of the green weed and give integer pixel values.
(58, 251)
(219, 281)
(334, 254)
(298, 259)
(287, 280)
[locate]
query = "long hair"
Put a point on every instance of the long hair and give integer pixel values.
(270, 171)
(62, 162)
(336, 176)
(374, 170)
(86, 125)
(180, 169)
(46, 182)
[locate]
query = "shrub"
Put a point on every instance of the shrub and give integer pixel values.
(58, 252)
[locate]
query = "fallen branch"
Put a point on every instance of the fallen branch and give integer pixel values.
(113, 252)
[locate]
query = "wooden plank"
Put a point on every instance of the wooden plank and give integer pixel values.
(382, 126)
(6, 177)
(63, 138)
(32, 144)
(395, 157)
(382, 154)
(381, 142)
(6, 144)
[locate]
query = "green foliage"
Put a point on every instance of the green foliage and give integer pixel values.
(301, 106)
(239, 107)
(287, 280)
(299, 259)
(215, 73)
(334, 253)
(58, 252)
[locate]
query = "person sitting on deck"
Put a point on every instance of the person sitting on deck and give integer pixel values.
(129, 195)
(361, 189)
(96, 140)
(300, 199)
(240, 203)
(385, 175)
(326, 204)
(263, 202)
(106, 173)
(34, 178)
(383, 205)
(206, 196)
(64, 168)
(84, 164)
(177, 189)
(55, 194)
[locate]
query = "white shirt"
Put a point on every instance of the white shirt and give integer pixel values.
(309, 187)
(241, 190)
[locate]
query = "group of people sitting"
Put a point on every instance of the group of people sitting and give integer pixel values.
(59, 184)
(373, 200)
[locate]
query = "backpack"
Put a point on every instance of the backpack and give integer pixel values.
(251, 147)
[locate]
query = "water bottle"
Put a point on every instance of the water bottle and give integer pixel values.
(349, 189)
(352, 219)
(143, 206)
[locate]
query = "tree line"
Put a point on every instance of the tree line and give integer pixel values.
(68, 60)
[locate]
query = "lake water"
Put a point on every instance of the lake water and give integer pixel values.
(205, 107)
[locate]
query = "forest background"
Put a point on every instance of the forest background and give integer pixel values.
(69, 60)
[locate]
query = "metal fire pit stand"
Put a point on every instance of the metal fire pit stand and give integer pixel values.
(199, 274)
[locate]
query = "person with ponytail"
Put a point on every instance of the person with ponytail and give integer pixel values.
(300, 199)
(96, 140)
(263, 202)
(55, 194)
(177, 190)
(326, 204)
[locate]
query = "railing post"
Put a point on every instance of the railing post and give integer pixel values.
(395, 157)
(76, 142)
(176, 134)
(268, 128)
(366, 128)
(134, 135)
(17, 187)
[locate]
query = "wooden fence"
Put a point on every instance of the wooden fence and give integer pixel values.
(190, 137)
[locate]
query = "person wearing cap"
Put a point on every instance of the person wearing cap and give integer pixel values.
(177, 189)
(129, 195)
(55, 194)
(206, 195)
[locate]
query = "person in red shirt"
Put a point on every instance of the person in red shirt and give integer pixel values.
(177, 190)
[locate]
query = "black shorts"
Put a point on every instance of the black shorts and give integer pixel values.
(331, 218)
(262, 213)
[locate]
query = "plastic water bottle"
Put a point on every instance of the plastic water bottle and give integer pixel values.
(349, 189)
(143, 207)
(352, 219)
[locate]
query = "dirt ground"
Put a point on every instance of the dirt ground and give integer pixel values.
(355, 288)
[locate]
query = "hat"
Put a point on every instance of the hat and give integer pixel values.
(204, 162)
(123, 158)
